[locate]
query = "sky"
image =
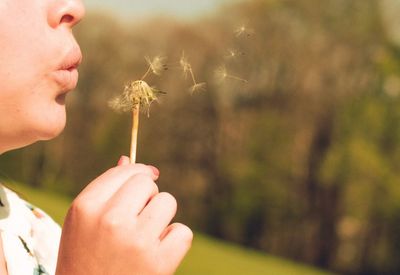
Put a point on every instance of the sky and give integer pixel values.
(185, 9)
(391, 9)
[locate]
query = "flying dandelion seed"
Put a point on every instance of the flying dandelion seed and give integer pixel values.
(186, 67)
(198, 87)
(231, 54)
(156, 65)
(187, 70)
(221, 74)
(119, 105)
(243, 30)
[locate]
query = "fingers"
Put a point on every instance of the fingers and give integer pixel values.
(122, 213)
(124, 160)
(103, 188)
(177, 240)
(156, 216)
(132, 197)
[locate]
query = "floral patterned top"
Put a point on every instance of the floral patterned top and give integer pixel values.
(30, 237)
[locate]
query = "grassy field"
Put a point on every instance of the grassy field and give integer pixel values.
(207, 256)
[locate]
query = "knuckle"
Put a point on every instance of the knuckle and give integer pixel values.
(109, 222)
(145, 182)
(140, 177)
(160, 268)
(114, 170)
(140, 166)
(140, 243)
(185, 233)
(121, 168)
(81, 208)
(168, 199)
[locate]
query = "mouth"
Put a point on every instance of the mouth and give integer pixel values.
(66, 73)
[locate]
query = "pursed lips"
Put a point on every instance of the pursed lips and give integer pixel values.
(66, 75)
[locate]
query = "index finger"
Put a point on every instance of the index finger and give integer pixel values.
(103, 188)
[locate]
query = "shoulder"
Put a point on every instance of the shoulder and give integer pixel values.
(19, 217)
(28, 235)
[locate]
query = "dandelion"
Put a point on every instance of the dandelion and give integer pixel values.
(187, 70)
(138, 95)
(222, 74)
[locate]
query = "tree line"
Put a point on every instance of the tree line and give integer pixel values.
(300, 160)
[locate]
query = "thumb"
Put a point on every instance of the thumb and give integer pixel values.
(124, 160)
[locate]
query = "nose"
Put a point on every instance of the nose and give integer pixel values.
(65, 12)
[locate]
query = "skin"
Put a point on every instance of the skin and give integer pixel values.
(32, 51)
(120, 223)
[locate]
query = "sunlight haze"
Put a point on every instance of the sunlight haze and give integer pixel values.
(179, 8)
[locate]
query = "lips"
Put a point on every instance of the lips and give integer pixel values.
(66, 75)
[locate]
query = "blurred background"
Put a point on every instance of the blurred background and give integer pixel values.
(302, 162)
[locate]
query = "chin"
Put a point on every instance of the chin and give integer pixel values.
(51, 124)
(44, 123)
(27, 137)
(52, 130)
(51, 133)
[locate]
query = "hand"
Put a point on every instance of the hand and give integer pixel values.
(120, 225)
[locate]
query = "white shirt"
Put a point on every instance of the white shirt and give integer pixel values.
(30, 237)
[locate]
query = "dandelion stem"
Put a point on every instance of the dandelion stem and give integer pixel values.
(147, 73)
(192, 75)
(237, 78)
(135, 127)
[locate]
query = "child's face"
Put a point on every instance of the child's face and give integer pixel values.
(38, 60)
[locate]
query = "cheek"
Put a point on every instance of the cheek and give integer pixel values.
(32, 114)
(28, 106)
(46, 116)
(26, 43)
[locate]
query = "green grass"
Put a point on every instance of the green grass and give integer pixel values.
(53, 204)
(207, 256)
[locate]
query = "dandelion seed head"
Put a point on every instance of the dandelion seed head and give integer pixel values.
(157, 64)
(136, 93)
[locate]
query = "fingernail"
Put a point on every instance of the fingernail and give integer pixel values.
(121, 161)
(155, 170)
